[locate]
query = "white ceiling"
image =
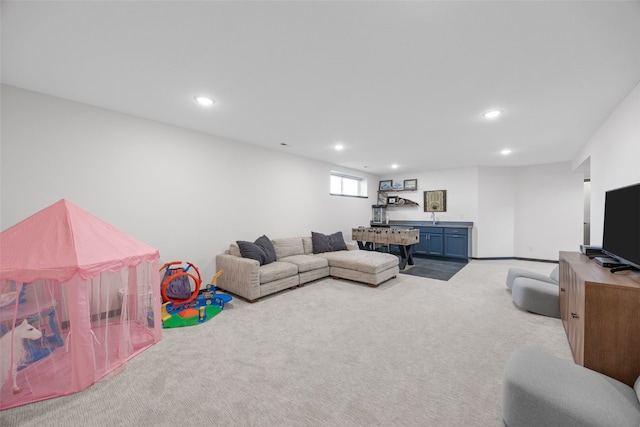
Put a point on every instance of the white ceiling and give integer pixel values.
(394, 81)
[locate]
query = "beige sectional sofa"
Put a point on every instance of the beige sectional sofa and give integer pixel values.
(296, 264)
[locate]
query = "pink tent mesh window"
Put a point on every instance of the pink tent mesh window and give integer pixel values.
(78, 298)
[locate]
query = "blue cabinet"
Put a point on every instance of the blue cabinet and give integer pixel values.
(431, 242)
(456, 243)
(443, 241)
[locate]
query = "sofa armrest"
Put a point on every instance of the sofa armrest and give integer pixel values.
(241, 276)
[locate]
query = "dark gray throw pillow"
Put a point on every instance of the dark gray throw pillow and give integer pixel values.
(327, 243)
(338, 242)
(261, 250)
(251, 250)
(270, 252)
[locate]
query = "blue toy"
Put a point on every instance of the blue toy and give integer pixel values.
(198, 307)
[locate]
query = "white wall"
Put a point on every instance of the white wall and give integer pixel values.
(525, 212)
(185, 193)
(587, 212)
(462, 199)
(614, 155)
(549, 211)
(189, 194)
(495, 229)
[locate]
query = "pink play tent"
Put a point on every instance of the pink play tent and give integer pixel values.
(91, 290)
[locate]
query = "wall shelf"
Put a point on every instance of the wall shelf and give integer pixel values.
(384, 197)
(402, 203)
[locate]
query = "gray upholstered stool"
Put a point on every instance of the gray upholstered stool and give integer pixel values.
(542, 390)
(515, 273)
(536, 296)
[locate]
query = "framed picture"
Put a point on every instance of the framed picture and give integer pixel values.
(435, 201)
(410, 184)
(397, 186)
(382, 198)
(392, 200)
(385, 185)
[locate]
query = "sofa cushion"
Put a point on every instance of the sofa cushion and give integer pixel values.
(327, 243)
(306, 262)
(307, 244)
(261, 250)
(277, 270)
(234, 249)
(288, 246)
(636, 387)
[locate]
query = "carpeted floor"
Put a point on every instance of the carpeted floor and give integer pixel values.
(433, 268)
(334, 353)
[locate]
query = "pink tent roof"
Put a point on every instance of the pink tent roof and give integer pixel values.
(63, 240)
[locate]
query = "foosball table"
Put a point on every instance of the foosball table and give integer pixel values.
(402, 237)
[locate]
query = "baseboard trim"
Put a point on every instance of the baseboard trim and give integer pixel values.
(516, 258)
(65, 324)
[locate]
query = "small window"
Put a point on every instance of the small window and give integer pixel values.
(347, 185)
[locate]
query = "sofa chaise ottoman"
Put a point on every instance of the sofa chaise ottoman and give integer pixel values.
(368, 267)
(296, 264)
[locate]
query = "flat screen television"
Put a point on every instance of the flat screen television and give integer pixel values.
(621, 234)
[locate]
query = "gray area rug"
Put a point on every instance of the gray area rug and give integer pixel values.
(432, 268)
(411, 352)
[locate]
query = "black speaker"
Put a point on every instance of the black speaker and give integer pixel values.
(591, 251)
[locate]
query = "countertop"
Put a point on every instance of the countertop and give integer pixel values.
(409, 223)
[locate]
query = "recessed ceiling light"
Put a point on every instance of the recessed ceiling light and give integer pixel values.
(505, 152)
(394, 166)
(492, 114)
(338, 147)
(204, 101)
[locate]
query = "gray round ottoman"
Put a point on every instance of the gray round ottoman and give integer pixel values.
(542, 390)
(536, 296)
(514, 273)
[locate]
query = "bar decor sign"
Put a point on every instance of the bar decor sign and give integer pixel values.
(435, 201)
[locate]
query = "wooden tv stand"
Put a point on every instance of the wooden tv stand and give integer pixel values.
(600, 312)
